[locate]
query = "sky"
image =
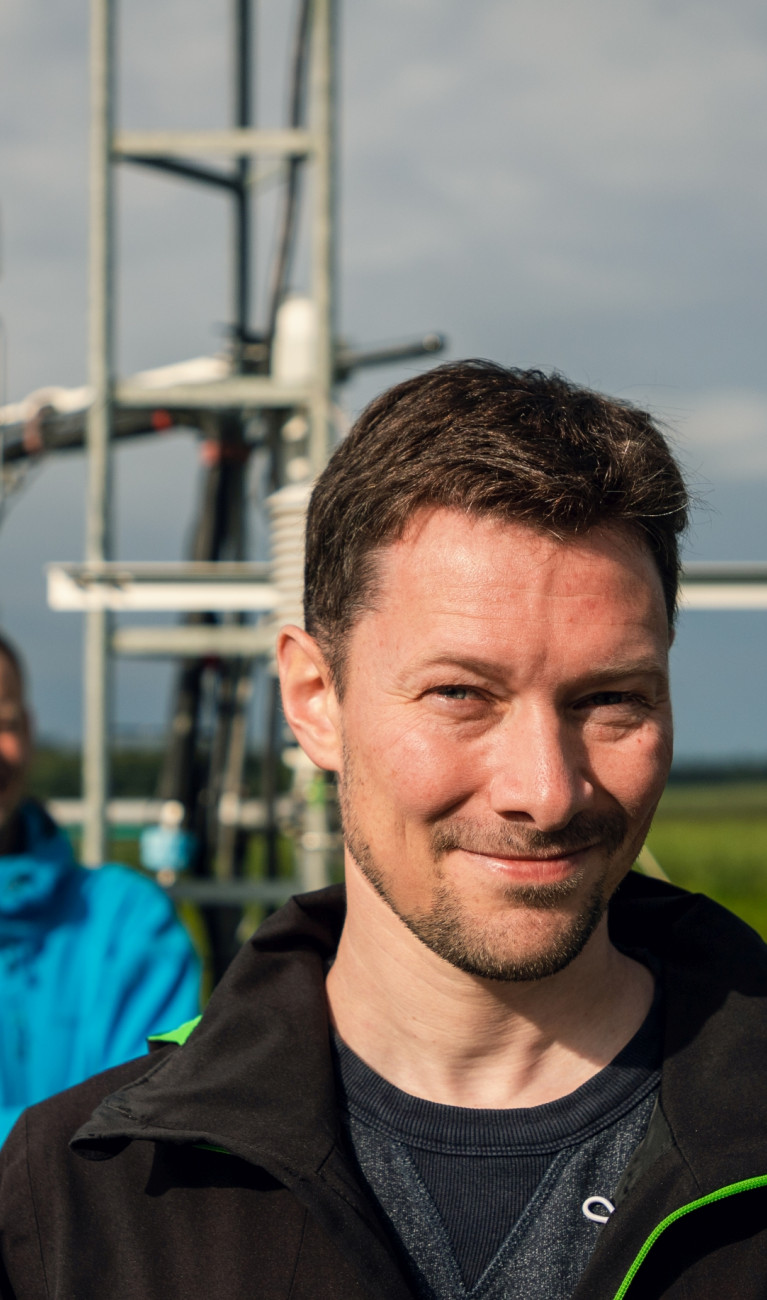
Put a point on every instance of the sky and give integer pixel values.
(572, 186)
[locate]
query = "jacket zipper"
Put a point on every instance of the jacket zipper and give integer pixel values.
(747, 1185)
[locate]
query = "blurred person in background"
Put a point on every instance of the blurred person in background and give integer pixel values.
(91, 962)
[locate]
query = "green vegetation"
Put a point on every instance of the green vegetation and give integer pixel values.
(712, 838)
(56, 773)
(709, 835)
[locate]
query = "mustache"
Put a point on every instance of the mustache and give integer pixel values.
(510, 841)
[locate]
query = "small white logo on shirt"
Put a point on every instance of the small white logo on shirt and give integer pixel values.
(597, 1208)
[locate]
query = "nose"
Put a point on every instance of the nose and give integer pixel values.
(540, 771)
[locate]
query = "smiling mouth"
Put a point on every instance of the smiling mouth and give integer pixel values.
(527, 866)
(534, 868)
(557, 856)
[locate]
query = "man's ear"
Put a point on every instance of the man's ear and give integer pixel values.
(308, 697)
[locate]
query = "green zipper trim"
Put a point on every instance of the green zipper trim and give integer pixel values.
(178, 1035)
(747, 1185)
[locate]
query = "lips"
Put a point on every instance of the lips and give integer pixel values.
(534, 868)
(529, 858)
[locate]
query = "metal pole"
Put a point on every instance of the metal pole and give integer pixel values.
(100, 375)
(242, 117)
(313, 863)
(322, 123)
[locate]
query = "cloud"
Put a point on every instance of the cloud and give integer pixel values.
(595, 167)
(607, 149)
(720, 434)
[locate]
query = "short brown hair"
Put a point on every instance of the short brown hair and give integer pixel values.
(475, 436)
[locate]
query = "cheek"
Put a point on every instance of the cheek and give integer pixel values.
(635, 772)
(421, 770)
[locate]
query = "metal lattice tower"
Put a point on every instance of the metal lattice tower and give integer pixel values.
(250, 387)
(272, 394)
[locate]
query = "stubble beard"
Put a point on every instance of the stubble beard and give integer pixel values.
(448, 927)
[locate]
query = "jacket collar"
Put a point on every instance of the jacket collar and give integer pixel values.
(255, 1077)
(714, 1080)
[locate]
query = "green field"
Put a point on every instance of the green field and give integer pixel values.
(713, 838)
(709, 836)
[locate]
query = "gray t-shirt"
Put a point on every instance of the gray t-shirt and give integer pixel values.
(500, 1204)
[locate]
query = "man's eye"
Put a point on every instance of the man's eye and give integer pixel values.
(456, 692)
(606, 699)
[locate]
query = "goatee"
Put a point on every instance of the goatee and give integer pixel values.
(448, 927)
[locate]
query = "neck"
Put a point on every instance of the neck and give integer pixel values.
(441, 1034)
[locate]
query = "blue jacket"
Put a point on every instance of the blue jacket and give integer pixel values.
(91, 962)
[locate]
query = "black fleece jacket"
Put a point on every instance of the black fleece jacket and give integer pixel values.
(218, 1169)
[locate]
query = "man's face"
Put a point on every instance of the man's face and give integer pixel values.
(507, 735)
(14, 740)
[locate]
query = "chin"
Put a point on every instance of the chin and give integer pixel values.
(483, 952)
(536, 936)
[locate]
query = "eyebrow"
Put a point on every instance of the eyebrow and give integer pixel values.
(646, 667)
(469, 663)
(642, 667)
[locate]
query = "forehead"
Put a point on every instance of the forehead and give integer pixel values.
(472, 577)
(475, 543)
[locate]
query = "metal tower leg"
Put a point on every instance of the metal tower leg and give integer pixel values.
(99, 431)
(323, 252)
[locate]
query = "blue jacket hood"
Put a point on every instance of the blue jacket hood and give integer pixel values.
(29, 880)
(90, 963)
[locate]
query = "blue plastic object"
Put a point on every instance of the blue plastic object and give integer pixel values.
(166, 848)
